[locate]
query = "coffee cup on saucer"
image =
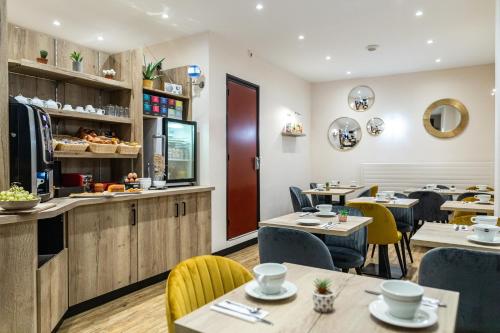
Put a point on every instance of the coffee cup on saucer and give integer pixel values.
(89, 108)
(485, 232)
(381, 196)
(483, 198)
(67, 107)
(99, 111)
(324, 209)
(270, 277)
(354, 183)
(484, 219)
(482, 187)
(402, 297)
(430, 187)
(80, 109)
(390, 194)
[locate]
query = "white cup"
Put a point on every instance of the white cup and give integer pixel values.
(319, 186)
(324, 208)
(430, 187)
(67, 107)
(89, 108)
(354, 183)
(270, 277)
(484, 219)
(99, 111)
(486, 232)
(483, 198)
(80, 109)
(381, 196)
(145, 183)
(390, 194)
(482, 187)
(402, 297)
(335, 182)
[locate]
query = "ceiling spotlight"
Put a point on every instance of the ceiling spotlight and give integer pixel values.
(419, 13)
(430, 41)
(259, 6)
(164, 16)
(100, 38)
(372, 47)
(348, 73)
(301, 37)
(438, 60)
(56, 23)
(328, 58)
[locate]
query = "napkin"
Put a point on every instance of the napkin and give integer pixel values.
(238, 312)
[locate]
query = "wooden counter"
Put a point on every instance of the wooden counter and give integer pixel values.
(66, 204)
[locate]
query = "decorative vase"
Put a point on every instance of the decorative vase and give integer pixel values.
(148, 84)
(323, 303)
(342, 218)
(77, 66)
(42, 60)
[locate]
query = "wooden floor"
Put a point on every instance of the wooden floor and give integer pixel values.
(144, 310)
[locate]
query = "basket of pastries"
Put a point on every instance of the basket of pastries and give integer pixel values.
(128, 148)
(69, 144)
(97, 143)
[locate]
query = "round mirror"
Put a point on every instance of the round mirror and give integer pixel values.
(361, 98)
(375, 126)
(446, 118)
(344, 133)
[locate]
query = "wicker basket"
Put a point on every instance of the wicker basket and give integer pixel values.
(99, 148)
(72, 147)
(128, 150)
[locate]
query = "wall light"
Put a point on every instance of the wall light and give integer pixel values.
(194, 73)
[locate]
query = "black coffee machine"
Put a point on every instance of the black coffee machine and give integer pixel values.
(31, 150)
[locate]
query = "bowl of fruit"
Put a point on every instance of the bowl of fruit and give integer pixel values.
(16, 198)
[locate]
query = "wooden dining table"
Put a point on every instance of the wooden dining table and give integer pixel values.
(337, 191)
(296, 314)
(432, 235)
(456, 191)
(472, 207)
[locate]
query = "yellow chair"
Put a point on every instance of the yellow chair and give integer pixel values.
(458, 213)
(465, 220)
(382, 232)
(198, 281)
(373, 190)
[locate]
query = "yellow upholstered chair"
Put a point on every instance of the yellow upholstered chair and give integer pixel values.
(373, 190)
(198, 281)
(456, 214)
(474, 188)
(465, 220)
(382, 232)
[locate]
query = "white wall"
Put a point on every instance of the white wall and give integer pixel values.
(401, 101)
(497, 110)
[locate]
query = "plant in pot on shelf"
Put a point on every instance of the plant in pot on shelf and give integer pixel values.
(77, 59)
(43, 57)
(323, 297)
(343, 213)
(149, 73)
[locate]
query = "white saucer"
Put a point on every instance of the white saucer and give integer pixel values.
(425, 317)
(308, 221)
(475, 239)
(327, 214)
(287, 290)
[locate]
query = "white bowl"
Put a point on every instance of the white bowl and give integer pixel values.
(19, 205)
(402, 297)
(159, 183)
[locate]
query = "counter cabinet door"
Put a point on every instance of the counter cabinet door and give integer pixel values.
(102, 249)
(158, 235)
(195, 226)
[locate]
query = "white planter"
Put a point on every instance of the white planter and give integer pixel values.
(323, 303)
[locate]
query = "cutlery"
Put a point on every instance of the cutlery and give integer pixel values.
(246, 313)
(249, 308)
(305, 214)
(425, 300)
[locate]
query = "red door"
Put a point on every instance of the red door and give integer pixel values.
(242, 157)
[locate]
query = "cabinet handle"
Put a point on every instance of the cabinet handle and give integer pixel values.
(176, 210)
(134, 215)
(184, 208)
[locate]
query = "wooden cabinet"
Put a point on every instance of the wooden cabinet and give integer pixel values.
(195, 226)
(102, 246)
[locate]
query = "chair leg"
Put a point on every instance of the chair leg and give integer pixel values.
(359, 271)
(373, 250)
(396, 245)
(403, 254)
(407, 242)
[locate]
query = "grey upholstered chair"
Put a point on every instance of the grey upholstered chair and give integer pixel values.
(428, 208)
(404, 225)
(475, 275)
(293, 246)
(321, 199)
(300, 201)
(348, 251)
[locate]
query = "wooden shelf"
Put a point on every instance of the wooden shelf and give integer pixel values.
(148, 116)
(27, 67)
(55, 113)
(293, 134)
(64, 154)
(166, 94)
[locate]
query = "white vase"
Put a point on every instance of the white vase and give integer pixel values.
(323, 303)
(77, 66)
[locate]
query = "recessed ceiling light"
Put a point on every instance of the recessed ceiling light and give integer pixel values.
(164, 16)
(259, 6)
(419, 13)
(430, 41)
(438, 60)
(301, 37)
(493, 92)
(328, 58)
(56, 23)
(348, 73)
(100, 38)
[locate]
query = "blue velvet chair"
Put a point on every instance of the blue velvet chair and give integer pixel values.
(428, 208)
(294, 246)
(321, 199)
(300, 201)
(475, 275)
(349, 251)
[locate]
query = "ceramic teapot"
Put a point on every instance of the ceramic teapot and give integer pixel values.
(52, 104)
(21, 99)
(38, 102)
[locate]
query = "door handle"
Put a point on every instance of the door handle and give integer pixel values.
(183, 208)
(134, 214)
(257, 163)
(176, 210)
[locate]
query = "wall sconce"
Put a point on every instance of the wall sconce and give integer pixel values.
(293, 126)
(194, 72)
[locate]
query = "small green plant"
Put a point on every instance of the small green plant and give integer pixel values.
(323, 286)
(43, 54)
(76, 56)
(344, 212)
(149, 69)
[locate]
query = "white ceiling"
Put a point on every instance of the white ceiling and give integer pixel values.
(463, 30)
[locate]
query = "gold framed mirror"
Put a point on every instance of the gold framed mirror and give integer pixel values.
(446, 118)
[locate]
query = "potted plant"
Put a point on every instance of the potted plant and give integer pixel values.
(109, 73)
(149, 73)
(43, 57)
(77, 59)
(323, 297)
(343, 215)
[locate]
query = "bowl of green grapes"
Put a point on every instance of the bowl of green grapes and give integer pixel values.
(16, 198)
